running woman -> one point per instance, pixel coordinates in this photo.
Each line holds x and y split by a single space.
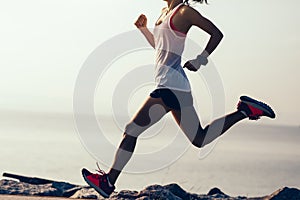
173 91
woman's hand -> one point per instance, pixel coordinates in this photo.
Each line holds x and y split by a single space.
195 64
141 22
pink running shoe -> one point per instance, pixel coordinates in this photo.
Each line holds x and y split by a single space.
98 181
254 109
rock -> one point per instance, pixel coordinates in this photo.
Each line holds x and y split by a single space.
285 194
126 194
166 192
158 192
14 187
58 189
26 179
215 191
85 193
178 191
65 189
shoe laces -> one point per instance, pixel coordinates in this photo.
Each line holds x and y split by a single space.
99 170
101 176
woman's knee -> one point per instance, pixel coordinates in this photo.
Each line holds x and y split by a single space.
198 141
198 144
133 129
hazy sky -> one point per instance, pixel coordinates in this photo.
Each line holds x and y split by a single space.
45 42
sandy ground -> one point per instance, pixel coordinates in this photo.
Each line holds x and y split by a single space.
18 197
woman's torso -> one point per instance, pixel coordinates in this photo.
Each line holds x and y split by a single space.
169 45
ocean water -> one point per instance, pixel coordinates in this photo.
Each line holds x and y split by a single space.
252 159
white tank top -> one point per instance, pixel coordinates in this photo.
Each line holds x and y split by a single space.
169 46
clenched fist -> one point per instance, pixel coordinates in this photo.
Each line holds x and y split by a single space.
141 22
195 64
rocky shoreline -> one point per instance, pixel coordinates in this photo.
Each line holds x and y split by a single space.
171 191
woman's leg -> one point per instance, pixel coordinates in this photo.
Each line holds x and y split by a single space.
150 113
189 122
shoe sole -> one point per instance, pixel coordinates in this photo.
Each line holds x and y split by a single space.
259 105
93 185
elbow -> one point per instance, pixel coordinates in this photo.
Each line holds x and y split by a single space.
222 35
219 35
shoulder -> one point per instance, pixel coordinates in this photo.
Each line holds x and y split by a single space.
189 13
188 10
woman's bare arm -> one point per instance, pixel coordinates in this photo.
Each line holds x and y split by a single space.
194 18
141 24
